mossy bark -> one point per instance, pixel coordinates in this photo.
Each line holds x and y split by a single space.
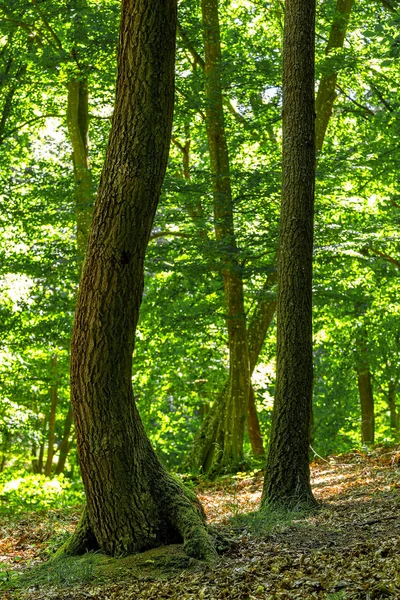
326 94
78 128
207 441
233 411
253 427
132 502
287 481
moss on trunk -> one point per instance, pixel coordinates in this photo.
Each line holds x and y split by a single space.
132 502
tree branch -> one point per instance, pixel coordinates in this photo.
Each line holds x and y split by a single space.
47 25
385 257
200 61
364 108
34 120
160 234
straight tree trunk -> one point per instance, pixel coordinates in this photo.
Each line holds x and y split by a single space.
364 380
52 418
232 422
367 404
326 94
287 480
132 502
65 444
204 443
78 127
201 453
391 397
253 427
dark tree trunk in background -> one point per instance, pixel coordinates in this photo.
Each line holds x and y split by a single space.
287 481
363 371
132 502
367 405
365 392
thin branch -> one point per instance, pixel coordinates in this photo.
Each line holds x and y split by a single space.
394 203
389 6
47 25
385 257
160 234
100 117
189 46
34 120
364 108
381 97
27 27
200 61
177 144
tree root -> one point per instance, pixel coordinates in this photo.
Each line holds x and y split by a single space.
82 540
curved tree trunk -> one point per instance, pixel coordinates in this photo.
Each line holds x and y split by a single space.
287 481
132 502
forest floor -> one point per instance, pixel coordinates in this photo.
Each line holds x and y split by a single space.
347 549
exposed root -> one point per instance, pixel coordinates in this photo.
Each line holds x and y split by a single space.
187 515
82 540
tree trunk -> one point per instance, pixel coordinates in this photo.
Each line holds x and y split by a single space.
287 481
233 418
7 105
132 502
367 406
52 418
200 455
65 445
4 450
364 383
391 398
253 427
78 126
326 94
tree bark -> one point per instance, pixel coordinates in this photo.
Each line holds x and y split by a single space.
365 392
52 417
253 427
326 94
367 405
391 397
287 481
132 502
78 127
200 455
233 418
65 444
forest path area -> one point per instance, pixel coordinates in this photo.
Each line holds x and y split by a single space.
348 549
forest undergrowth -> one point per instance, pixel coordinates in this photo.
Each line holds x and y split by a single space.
348 549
